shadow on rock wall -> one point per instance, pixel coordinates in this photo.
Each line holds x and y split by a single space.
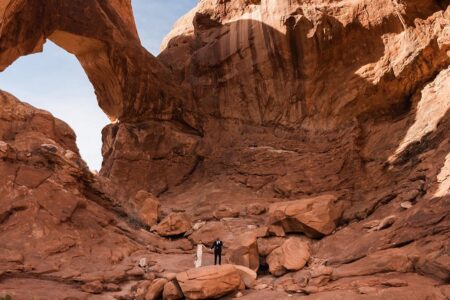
247 74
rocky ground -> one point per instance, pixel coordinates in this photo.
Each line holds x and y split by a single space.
310 136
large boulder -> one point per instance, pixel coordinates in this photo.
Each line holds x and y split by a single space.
173 224
291 256
209 282
147 208
267 245
210 231
156 289
315 217
246 255
384 261
248 276
172 291
244 251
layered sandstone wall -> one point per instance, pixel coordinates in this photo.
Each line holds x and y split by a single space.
313 64
289 66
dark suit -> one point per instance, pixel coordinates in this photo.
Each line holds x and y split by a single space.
217 246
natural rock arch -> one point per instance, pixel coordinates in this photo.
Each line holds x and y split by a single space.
129 82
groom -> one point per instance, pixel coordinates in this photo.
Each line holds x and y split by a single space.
217 246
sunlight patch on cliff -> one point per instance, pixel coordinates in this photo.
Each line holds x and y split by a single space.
432 107
3 6
443 179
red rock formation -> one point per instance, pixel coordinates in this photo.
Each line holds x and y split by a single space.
249 102
209 282
290 63
128 81
130 84
58 228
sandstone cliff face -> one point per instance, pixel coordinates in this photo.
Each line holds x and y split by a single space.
290 66
314 64
249 103
59 227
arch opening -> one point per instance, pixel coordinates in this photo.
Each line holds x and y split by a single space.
55 81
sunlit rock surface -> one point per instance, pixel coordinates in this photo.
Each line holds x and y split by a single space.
250 102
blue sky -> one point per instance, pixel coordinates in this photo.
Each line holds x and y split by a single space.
54 80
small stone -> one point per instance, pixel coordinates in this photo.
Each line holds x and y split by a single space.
386 223
143 262
49 148
371 224
256 209
406 205
198 225
94 287
70 155
3 147
261 286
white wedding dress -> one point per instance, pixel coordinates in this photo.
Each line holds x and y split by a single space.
198 258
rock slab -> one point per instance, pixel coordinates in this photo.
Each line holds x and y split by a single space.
292 255
209 282
316 217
